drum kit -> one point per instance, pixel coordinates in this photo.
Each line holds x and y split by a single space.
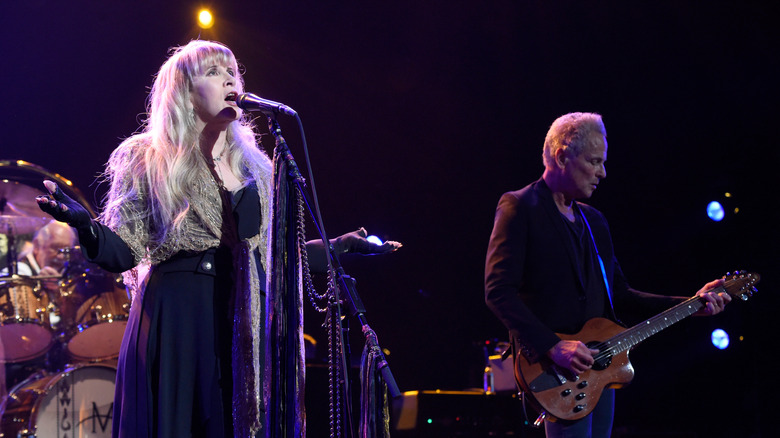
62 331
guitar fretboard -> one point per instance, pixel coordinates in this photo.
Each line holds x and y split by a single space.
638 333
737 286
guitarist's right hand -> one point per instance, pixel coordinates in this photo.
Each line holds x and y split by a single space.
574 356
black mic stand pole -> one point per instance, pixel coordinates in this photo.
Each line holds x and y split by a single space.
356 307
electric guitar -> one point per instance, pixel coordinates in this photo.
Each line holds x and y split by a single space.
558 393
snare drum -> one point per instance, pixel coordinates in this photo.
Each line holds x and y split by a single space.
77 403
24 321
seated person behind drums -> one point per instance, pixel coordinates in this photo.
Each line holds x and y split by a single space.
47 257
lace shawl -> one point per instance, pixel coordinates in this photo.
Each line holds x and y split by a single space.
130 217
129 212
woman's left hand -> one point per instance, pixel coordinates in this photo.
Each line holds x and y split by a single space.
356 243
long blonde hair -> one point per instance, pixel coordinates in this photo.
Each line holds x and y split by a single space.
159 163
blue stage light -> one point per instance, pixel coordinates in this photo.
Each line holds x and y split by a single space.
715 211
375 240
720 339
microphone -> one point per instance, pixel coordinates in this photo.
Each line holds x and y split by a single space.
253 102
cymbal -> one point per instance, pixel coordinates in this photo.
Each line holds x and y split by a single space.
19 212
33 175
21 224
7 281
44 277
15 280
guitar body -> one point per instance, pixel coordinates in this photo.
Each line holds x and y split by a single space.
564 396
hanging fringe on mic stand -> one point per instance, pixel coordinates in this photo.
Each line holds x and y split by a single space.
285 366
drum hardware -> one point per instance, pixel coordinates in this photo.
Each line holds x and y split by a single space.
97 312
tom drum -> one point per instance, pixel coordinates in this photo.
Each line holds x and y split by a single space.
25 332
96 314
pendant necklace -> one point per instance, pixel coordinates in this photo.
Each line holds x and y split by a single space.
218 158
217 171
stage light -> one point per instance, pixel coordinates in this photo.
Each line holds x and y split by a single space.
724 207
205 19
715 211
720 339
375 240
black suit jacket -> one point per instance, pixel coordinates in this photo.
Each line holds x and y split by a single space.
532 283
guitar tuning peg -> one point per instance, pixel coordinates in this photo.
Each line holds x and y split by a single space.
744 296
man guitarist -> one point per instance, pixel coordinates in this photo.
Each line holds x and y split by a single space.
551 266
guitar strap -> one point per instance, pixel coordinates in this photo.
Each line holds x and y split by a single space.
601 262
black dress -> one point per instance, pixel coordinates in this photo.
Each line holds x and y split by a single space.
174 377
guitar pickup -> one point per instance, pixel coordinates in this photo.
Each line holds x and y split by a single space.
551 378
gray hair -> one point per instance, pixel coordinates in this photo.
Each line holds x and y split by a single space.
570 131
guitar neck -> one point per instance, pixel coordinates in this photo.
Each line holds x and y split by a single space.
638 333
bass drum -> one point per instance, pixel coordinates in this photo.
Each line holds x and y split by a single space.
76 403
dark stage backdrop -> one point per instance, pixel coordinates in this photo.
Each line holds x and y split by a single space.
418 115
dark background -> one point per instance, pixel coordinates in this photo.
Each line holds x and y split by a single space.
418 115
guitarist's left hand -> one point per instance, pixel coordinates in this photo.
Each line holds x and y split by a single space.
715 302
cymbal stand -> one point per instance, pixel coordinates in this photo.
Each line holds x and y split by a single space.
10 235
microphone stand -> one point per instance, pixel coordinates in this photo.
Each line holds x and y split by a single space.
347 283
357 310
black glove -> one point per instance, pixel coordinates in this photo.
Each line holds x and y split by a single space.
356 242
64 209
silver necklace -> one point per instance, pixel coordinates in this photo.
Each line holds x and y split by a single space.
217 172
218 158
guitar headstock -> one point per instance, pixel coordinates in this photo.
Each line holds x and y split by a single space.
741 284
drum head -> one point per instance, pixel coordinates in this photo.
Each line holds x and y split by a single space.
23 341
77 402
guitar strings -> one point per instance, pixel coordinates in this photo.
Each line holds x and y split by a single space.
606 349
